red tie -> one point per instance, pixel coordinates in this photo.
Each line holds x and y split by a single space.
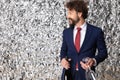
77 43
77 40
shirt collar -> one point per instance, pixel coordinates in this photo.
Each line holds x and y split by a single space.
83 27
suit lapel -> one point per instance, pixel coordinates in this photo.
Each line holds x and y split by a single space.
72 40
87 37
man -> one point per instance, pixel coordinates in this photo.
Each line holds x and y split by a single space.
81 40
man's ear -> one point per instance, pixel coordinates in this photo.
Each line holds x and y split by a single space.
79 14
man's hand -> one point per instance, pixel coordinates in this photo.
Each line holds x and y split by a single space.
65 64
88 64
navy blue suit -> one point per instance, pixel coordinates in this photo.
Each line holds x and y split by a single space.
94 40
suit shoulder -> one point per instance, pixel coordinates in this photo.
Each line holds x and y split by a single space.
66 30
95 28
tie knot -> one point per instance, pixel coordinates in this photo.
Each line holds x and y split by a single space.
78 29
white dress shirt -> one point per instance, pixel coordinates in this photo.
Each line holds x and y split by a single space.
82 32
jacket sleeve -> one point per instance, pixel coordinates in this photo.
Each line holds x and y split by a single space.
63 52
101 46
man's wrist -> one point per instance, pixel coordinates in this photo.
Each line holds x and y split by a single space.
95 62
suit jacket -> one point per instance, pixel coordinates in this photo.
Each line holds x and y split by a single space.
94 40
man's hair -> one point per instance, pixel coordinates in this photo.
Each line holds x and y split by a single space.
78 6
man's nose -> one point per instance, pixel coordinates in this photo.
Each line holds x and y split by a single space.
67 17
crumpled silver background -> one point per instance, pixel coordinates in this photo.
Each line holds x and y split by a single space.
31 37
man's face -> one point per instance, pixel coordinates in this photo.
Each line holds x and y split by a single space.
72 16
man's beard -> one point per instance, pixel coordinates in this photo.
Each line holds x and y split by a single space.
73 22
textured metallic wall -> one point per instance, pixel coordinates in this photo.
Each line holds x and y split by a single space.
31 37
